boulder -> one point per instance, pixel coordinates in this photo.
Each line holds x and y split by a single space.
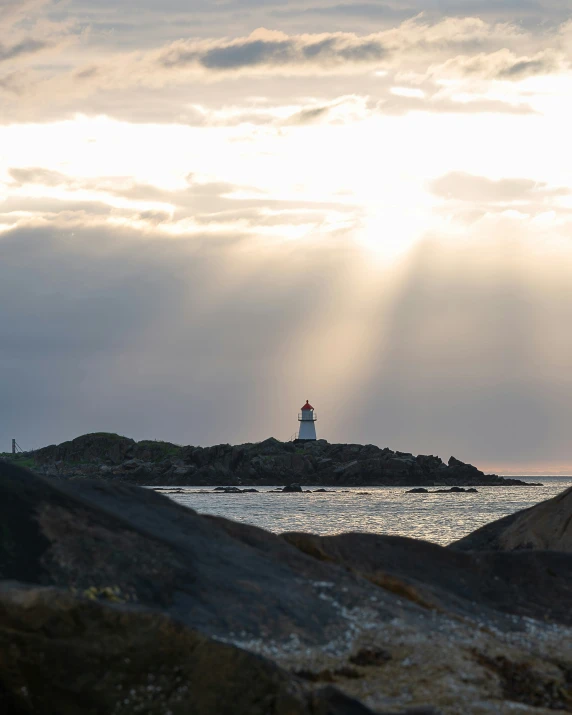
454 490
234 490
292 488
536 584
71 655
547 525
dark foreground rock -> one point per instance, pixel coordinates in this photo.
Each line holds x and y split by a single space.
547 525
62 654
112 457
115 599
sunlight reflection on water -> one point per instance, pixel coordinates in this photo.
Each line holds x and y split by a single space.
441 518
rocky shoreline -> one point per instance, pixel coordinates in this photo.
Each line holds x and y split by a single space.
115 458
115 600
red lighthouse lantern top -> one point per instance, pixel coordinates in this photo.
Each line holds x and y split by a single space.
307 406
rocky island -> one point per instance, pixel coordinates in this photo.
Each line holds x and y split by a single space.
115 600
271 462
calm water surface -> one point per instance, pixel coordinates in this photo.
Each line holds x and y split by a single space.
441 518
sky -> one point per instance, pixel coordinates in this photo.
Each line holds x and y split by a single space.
211 212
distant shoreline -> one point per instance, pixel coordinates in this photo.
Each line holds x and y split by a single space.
112 457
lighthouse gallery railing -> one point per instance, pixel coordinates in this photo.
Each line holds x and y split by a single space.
302 418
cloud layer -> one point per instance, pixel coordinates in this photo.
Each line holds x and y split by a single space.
211 211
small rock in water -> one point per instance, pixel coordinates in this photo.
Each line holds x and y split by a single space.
292 488
453 490
234 490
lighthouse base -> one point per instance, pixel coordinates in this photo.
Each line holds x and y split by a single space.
307 430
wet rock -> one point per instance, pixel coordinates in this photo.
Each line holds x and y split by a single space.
234 490
455 490
292 488
452 490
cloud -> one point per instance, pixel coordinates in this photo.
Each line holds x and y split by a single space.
220 207
525 67
355 9
38 175
502 64
144 85
28 46
271 52
270 49
461 186
11 11
488 205
307 116
398 105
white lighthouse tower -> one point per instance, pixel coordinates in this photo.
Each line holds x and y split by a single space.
307 420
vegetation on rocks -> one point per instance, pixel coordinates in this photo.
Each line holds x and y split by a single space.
110 456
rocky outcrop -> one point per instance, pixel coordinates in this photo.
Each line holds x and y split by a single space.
271 462
451 490
547 525
538 585
115 599
122 660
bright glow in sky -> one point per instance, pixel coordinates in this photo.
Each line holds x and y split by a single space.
241 188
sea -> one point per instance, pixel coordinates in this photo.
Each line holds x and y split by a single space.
440 518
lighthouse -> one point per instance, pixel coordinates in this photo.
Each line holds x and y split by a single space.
307 420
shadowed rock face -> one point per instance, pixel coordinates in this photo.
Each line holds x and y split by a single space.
536 584
73 656
547 525
270 462
114 593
